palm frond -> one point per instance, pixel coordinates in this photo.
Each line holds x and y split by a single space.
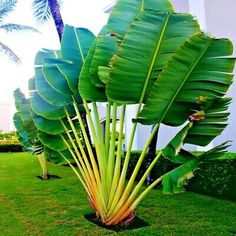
10 27
6 7
140 59
41 10
200 68
11 55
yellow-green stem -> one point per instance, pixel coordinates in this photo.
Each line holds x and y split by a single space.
87 143
135 203
127 157
103 195
99 129
43 163
113 218
92 186
111 157
78 161
116 207
107 129
94 174
118 158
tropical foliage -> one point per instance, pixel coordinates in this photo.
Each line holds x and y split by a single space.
146 55
44 10
26 130
6 7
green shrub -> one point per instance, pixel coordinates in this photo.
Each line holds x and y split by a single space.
11 147
215 178
161 167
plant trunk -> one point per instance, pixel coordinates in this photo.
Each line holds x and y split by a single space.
56 14
43 163
151 154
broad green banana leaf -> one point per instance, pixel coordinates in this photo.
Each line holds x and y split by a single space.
23 136
75 45
42 108
56 157
52 127
51 116
173 151
66 68
174 181
87 90
200 67
214 122
23 120
51 69
106 47
111 35
54 142
45 90
140 59
205 125
124 12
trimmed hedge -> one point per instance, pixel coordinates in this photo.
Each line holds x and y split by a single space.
215 178
161 167
11 148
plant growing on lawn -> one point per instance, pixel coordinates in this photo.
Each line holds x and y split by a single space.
27 132
145 55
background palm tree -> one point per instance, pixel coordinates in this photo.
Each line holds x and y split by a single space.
44 10
6 7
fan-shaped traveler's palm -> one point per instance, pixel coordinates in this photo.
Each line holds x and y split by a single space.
145 55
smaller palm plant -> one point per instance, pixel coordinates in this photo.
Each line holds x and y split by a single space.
27 132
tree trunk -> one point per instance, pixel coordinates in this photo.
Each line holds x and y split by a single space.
56 14
151 154
43 163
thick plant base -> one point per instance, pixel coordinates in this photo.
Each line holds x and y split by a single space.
49 177
135 224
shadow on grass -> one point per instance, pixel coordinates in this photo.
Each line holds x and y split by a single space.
136 224
50 177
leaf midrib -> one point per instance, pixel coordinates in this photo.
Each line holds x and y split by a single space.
79 45
184 81
154 58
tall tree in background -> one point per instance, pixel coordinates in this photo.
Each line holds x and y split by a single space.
6 7
44 10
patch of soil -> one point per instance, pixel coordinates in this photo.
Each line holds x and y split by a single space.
50 177
136 224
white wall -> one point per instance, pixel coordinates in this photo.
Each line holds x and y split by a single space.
221 23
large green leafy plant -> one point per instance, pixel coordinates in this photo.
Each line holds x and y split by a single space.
27 132
145 55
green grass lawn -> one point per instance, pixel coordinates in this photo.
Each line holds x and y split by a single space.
30 206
